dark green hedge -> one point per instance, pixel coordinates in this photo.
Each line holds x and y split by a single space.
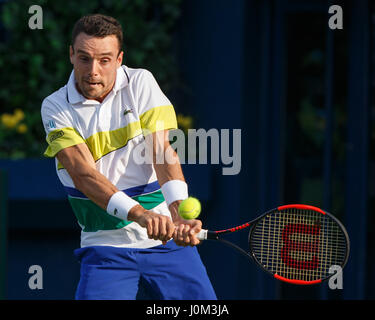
34 63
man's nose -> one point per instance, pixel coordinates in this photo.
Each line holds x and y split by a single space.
94 68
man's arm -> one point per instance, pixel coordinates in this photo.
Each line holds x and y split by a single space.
168 167
79 163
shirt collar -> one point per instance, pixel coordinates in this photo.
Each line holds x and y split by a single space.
74 97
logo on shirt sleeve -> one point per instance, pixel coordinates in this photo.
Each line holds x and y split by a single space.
55 136
51 125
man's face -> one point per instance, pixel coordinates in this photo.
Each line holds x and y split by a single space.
95 62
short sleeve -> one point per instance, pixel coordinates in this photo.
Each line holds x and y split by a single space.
59 128
155 111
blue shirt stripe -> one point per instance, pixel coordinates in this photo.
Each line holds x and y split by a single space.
131 192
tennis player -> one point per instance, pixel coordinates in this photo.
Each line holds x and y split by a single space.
127 210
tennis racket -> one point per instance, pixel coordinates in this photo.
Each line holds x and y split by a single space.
295 243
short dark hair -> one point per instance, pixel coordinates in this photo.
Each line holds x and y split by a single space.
98 25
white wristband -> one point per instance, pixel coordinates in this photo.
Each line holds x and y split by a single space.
120 204
174 190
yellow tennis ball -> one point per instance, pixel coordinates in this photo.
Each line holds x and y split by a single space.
189 208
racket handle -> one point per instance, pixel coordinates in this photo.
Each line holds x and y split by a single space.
202 235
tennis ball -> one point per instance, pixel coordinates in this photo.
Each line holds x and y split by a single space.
189 208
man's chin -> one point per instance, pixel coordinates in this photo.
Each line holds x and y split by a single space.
92 94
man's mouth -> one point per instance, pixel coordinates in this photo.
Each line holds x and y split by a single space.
93 83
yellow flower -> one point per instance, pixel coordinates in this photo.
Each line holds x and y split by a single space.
19 114
22 128
185 122
9 120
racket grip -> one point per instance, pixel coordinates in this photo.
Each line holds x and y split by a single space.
202 235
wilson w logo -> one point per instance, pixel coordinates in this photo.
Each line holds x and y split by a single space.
301 253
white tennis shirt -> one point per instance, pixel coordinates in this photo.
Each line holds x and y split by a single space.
114 132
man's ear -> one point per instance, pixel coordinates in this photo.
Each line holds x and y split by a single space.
71 53
119 59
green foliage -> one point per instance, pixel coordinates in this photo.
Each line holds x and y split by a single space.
35 63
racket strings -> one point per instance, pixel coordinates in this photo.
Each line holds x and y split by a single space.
298 244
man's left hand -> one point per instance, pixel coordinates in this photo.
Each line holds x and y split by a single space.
186 230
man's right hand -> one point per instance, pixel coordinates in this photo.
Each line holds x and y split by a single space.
159 227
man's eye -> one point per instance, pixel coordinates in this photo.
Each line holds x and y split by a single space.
84 59
105 60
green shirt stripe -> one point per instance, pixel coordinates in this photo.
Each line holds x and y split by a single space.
93 218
